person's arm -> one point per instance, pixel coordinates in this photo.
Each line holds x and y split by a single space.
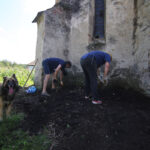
107 65
98 72
99 75
56 71
106 69
61 78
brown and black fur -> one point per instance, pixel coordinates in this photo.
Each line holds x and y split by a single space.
8 89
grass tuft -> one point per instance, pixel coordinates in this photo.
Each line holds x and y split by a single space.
12 137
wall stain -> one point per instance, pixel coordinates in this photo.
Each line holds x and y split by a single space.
66 52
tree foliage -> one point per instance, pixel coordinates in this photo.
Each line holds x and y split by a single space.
20 70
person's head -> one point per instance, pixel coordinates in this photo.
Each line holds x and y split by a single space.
68 64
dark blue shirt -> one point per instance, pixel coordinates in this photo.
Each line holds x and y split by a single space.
54 62
99 56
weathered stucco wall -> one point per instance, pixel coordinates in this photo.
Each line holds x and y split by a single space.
127 36
68 34
142 44
79 34
119 31
39 49
120 17
57 29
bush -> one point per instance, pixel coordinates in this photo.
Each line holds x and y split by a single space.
7 69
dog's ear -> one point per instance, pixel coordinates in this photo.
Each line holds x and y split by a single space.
4 79
14 76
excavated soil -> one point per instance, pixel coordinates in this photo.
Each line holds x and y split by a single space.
122 122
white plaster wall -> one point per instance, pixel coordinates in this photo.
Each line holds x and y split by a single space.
119 31
142 47
79 38
56 37
39 50
127 38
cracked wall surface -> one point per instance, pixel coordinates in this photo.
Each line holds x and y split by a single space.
127 35
142 45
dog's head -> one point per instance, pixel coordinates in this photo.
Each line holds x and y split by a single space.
9 87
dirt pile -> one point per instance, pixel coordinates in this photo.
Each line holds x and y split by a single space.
121 122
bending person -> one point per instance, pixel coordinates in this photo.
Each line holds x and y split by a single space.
53 66
90 63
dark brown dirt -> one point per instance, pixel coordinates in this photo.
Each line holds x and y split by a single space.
122 122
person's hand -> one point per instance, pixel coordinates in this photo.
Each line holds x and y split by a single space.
61 83
100 78
105 81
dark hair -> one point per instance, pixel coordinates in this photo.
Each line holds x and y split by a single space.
68 63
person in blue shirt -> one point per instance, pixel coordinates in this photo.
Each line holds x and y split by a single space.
53 66
90 64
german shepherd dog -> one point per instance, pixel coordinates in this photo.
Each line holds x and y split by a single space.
7 92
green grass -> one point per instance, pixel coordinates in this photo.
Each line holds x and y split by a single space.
14 138
7 69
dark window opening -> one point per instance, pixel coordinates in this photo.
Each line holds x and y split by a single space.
99 27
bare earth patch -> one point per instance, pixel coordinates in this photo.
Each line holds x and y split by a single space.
122 122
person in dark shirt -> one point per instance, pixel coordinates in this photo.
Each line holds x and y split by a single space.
53 66
90 64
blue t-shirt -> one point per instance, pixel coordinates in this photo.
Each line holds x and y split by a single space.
54 62
101 57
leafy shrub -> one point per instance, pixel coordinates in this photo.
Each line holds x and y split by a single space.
7 69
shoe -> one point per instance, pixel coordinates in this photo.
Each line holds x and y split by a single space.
96 102
45 94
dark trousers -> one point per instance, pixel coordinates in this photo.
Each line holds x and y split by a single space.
89 67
